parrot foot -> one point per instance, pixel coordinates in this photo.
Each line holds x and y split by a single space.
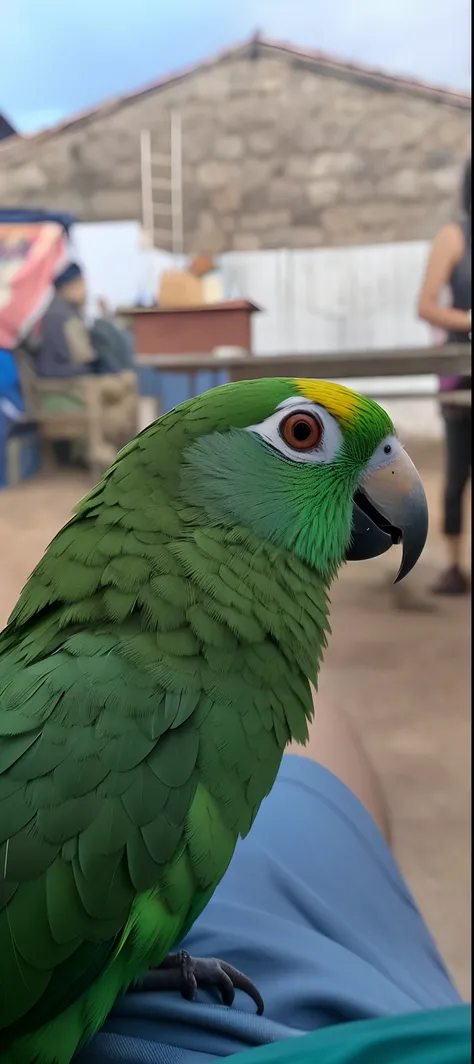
180 971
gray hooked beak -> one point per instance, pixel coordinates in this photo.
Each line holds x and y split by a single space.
390 507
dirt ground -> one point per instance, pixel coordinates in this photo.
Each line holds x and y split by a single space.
399 665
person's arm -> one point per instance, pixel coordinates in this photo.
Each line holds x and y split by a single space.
104 308
77 339
447 250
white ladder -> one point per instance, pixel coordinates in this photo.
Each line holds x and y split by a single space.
162 173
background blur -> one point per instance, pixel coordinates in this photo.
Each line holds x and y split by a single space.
304 169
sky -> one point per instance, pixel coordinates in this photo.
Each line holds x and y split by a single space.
62 57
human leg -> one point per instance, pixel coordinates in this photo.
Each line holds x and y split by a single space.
458 467
335 744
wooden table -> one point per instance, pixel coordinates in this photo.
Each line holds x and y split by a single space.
158 331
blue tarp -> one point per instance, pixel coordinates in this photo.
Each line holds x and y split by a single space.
10 388
24 216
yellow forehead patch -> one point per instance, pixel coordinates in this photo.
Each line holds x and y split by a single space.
336 399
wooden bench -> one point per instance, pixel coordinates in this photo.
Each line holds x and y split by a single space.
106 416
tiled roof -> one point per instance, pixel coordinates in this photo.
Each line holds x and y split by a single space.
258 45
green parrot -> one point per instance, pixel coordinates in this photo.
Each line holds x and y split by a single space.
153 671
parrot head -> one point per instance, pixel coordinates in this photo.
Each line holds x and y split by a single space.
309 465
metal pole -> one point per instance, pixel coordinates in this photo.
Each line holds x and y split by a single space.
148 219
177 183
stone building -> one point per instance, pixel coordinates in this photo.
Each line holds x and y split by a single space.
280 148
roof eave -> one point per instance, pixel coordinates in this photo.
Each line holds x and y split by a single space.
253 47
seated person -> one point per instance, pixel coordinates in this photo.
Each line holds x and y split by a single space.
65 349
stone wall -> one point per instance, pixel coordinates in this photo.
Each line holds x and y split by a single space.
277 152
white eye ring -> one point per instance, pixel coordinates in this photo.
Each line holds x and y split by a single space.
323 449
386 453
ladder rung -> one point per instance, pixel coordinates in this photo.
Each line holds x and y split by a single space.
158 159
162 183
166 234
163 209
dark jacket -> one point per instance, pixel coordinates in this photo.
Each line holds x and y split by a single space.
65 349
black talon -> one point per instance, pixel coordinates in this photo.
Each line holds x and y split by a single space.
239 981
180 971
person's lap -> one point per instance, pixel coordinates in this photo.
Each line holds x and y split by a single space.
314 910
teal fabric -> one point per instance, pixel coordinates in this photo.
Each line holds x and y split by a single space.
442 1037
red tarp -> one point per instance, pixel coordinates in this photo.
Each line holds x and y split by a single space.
32 254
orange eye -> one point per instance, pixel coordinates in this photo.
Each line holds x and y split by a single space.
302 431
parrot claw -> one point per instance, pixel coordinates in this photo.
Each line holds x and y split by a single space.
180 971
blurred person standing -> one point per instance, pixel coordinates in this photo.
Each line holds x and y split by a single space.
449 265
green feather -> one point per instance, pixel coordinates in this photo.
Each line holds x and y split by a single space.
151 674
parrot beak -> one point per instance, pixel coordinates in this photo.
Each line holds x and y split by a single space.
390 507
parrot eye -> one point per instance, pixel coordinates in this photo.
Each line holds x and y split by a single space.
302 431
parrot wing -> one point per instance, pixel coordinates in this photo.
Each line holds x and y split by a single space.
98 773
144 709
